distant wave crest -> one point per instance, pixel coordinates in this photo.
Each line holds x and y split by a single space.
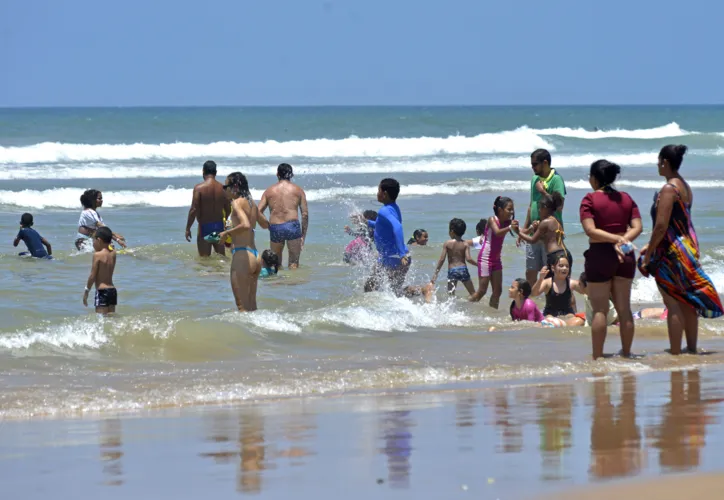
516 141
67 198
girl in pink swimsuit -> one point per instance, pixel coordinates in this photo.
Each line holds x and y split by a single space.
490 265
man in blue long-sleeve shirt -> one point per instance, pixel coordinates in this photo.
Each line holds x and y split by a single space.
393 260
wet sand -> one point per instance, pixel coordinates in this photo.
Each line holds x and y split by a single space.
580 437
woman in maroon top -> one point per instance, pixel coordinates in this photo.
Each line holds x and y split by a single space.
611 220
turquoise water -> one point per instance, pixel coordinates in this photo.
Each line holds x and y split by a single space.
177 339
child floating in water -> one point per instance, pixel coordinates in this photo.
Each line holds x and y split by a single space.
419 238
549 229
457 252
101 275
560 309
270 264
652 313
359 249
490 264
523 308
32 239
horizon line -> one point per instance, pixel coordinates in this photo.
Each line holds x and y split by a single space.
267 106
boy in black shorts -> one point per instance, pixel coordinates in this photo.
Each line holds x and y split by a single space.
104 263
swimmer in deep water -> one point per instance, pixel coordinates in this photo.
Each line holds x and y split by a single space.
208 206
419 238
245 262
32 239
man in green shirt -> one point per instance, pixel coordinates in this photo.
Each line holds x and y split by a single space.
545 181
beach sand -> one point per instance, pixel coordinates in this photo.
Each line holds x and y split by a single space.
583 437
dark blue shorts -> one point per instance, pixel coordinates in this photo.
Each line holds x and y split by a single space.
212 227
459 273
288 231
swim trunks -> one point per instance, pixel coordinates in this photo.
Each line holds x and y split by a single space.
28 254
459 273
288 231
106 297
212 227
602 264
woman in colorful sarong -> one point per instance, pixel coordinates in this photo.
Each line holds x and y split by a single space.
672 256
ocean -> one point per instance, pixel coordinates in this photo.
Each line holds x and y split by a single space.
177 339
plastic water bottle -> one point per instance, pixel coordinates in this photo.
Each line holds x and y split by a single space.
627 248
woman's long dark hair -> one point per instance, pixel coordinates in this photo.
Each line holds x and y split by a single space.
238 180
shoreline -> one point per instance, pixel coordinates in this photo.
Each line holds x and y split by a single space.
555 437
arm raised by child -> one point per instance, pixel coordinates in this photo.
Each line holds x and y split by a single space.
543 284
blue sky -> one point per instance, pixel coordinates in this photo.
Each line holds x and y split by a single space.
343 52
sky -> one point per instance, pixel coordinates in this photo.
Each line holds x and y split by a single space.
364 52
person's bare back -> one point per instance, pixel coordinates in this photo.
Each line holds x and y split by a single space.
457 253
457 250
209 206
285 201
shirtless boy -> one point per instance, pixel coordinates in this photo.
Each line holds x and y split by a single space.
285 200
208 206
101 275
457 253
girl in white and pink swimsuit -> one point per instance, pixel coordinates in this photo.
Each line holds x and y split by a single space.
490 265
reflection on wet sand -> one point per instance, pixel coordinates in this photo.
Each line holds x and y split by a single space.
396 429
506 421
681 435
465 405
252 451
298 431
615 436
111 452
555 405
607 408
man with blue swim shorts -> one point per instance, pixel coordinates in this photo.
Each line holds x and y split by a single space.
285 201
208 207
393 261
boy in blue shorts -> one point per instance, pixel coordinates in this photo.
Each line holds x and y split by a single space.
32 239
457 253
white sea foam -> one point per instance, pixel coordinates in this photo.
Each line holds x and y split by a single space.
68 198
515 141
380 312
670 130
122 171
